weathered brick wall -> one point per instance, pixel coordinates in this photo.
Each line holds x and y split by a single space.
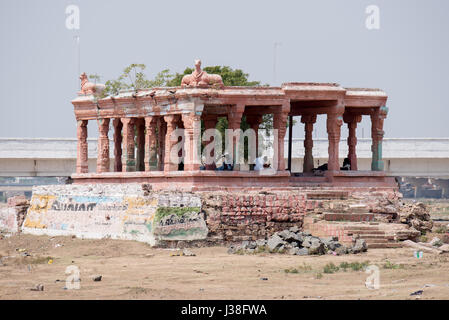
236 216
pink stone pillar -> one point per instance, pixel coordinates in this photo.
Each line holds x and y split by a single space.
128 161
210 123
103 146
333 125
234 121
192 125
280 124
171 126
140 139
254 123
352 120
308 121
117 145
162 130
82 165
150 144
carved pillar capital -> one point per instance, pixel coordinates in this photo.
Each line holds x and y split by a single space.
308 118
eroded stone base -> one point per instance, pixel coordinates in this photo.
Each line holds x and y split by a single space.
135 211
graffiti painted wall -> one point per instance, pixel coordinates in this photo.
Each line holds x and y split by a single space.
119 211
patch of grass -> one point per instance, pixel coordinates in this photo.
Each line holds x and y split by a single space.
300 269
319 275
355 266
305 267
136 290
261 249
162 212
423 238
390 265
291 270
330 268
28 260
438 243
441 229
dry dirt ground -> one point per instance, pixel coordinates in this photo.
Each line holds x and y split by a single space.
133 270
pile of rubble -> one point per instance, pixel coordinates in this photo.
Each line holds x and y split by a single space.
295 242
417 216
434 246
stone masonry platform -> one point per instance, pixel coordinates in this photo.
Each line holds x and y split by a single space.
136 211
216 180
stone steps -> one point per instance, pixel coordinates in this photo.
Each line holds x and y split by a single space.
355 217
380 245
328 195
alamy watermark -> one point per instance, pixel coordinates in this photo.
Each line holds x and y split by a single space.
72 20
372 21
373 280
73 281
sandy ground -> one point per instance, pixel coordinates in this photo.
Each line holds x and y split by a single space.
133 270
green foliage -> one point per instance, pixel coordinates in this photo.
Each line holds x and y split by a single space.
305 268
330 268
94 77
423 238
391 265
291 270
355 266
438 243
133 78
162 212
230 76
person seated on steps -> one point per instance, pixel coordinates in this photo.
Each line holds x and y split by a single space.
226 166
346 164
323 167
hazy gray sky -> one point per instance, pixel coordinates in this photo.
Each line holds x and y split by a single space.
321 41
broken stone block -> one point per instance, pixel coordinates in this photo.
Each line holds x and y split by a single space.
359 246
302 252
275 242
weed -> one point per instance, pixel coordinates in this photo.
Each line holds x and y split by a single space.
261 249
391 265
301 269
291 270
423 238
438 243
330 268
136 290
